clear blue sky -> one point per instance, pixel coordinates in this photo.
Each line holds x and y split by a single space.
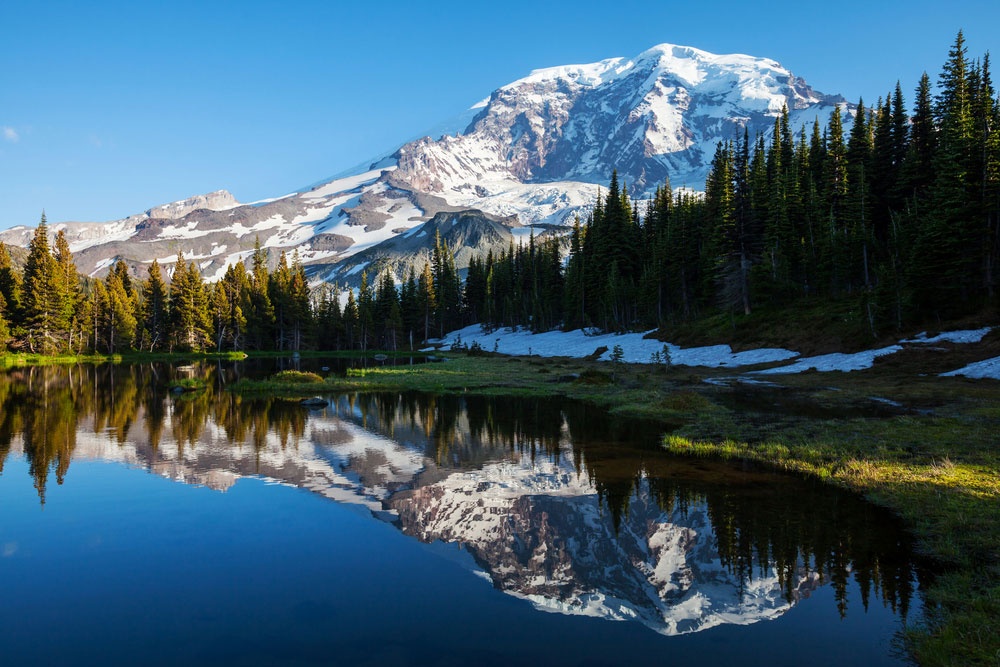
109 108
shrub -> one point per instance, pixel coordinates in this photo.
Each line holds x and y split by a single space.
296 377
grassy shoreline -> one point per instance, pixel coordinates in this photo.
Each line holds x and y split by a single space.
930 455
23 359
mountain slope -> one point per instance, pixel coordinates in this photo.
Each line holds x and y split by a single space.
658 115
534 154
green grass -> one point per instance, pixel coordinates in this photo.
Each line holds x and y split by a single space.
337 354
188 384
941 474
296 377
23 359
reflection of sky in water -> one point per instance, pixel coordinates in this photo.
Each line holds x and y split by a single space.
548 513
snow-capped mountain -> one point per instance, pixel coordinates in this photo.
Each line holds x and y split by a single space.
534 154
658 115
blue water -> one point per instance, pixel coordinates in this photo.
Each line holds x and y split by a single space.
125 567
124 564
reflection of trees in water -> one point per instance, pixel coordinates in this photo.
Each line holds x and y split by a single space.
37 404
47 405
761 520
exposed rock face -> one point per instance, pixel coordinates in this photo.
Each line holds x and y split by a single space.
467 233
656 116
220 200
535 153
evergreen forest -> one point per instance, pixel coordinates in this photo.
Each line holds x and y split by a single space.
899 216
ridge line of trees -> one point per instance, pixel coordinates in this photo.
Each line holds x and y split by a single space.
901 214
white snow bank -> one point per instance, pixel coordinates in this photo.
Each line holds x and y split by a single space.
988 368
639 350
635 348
834 362
967 336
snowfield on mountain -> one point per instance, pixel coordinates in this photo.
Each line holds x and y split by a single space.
532 155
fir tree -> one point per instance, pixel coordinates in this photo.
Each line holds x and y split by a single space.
10 286
69 295
115 313
189 308
259 311
154 329
42 304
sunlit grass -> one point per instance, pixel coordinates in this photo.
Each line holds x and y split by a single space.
24 359
952 507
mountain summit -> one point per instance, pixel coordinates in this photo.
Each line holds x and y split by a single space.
656 116
533 155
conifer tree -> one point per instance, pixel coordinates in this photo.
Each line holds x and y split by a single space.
986 176
351 322
154 326
260 311
410 307
918 168
4 325
301 306
41 294
576 295
835 202
10 287
388 318
945 259
116 312
236 285
190 315
69 294
853 260
427 300
366 313
727 274
447 287
328 320
221 307
279 293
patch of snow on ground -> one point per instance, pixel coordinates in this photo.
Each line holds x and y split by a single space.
636 349
980 370
837 361
967 336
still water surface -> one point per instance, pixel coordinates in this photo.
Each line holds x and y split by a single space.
137 526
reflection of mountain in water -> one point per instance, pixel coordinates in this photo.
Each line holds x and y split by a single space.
542 533
561 506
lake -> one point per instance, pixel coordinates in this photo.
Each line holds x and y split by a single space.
137 526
